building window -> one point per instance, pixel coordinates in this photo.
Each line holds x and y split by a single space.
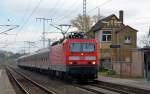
127 40
106 36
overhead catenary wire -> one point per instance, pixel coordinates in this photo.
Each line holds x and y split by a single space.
26 10
99 6
31 14
29 17
71 12
70 8
25 15
50 11
15 26
58 8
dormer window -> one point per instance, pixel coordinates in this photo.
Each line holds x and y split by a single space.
106 36
127 40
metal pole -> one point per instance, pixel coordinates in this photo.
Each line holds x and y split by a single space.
84 15
49 42
44 32
43 19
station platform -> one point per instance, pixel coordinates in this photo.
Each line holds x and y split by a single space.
5 85
139 83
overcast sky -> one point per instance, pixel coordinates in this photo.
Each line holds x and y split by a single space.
24 13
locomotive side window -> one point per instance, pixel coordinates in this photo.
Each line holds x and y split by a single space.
82 47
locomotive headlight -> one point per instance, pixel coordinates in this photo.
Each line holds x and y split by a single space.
70 62
93 62
82 54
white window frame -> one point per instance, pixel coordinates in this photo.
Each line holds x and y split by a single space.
106 36
127 39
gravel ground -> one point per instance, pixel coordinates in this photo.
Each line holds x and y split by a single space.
60 87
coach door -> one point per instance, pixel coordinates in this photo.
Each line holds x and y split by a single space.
147 65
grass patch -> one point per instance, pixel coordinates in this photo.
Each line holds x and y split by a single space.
107 73
103 72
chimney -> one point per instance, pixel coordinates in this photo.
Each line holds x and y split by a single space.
121 15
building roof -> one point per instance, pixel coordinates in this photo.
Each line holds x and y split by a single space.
100 24
125 27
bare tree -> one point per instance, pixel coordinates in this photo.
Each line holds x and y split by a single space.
95 19
84 23
146 39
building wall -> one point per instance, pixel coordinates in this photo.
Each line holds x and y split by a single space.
126 48
123 69
138 63
134 69
127 66
124 53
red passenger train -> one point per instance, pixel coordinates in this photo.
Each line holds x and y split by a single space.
73 57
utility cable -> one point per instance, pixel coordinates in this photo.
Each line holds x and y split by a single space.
34 10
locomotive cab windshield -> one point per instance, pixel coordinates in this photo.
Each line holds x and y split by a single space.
82 47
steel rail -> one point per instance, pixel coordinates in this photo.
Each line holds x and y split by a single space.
111 89
17 82
121 88
33 82
88 89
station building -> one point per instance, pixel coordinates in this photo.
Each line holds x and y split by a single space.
116 43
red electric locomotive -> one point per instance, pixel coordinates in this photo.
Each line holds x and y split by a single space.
75 57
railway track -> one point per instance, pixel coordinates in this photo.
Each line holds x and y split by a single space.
92 89
26 85
95 89
122 89
100 87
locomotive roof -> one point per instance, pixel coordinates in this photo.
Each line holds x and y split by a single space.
81 40
44 50
71 35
